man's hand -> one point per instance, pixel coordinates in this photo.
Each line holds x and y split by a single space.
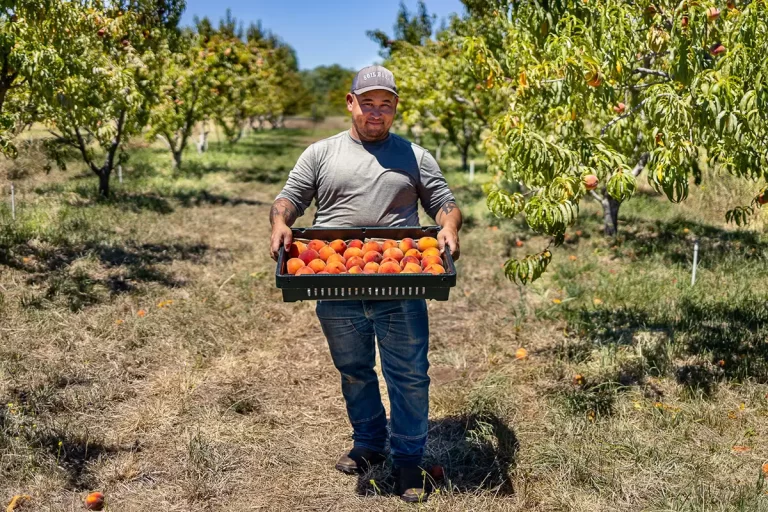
281 236
449 218
449 236
282 216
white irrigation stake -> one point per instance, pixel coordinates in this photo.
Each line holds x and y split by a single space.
13 202
471 171
695 261
120 173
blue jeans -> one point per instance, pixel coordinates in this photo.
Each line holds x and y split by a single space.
402 329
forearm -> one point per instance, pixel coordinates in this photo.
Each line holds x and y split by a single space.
283 212
449 216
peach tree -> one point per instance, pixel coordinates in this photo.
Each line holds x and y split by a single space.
599 91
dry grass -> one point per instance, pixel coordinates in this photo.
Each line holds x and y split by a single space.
145 352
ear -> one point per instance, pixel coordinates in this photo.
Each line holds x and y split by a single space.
350 101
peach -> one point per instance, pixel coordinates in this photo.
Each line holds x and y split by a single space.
429 260
304 270
387 244
356 270
317 265
326 252
308 255
393 252
323 272
413 252
371 246
355 261
591 181
371 268
339 246
316 245
353 251
426 242
337 257
432 251
94 501
435 269
409 259
296 249
355 243
388 260
390 267
336 267
406 244
372 256
412 268
293 265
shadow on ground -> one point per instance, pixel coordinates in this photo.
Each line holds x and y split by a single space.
122 267
700 340
476 453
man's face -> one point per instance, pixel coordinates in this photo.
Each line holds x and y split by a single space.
373 113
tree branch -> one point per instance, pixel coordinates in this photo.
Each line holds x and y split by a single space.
465 101
654 72
640 165
84 152
596 196
623 116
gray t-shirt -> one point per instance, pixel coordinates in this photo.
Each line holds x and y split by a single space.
366 184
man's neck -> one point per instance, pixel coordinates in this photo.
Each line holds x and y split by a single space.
355 135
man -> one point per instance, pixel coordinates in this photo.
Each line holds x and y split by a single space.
369 177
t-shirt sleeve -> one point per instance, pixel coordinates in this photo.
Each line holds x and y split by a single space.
301 188
433 189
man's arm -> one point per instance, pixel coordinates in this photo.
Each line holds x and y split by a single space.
282 216
449 219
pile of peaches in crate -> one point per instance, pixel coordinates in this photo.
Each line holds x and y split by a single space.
406 256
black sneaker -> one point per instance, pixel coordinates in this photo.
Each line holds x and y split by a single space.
411 484
359 460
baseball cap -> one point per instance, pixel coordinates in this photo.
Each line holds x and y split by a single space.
374 77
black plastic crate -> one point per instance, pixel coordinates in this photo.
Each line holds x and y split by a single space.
365 286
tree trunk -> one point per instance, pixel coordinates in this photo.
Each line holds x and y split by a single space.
439 152
176 158
465 157
610 215
202 141
104 173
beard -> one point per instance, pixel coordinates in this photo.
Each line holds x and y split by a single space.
370 132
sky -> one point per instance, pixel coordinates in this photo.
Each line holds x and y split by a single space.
322 32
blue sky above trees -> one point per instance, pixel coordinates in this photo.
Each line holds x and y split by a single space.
322 32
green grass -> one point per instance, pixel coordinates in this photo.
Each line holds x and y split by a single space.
145 351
